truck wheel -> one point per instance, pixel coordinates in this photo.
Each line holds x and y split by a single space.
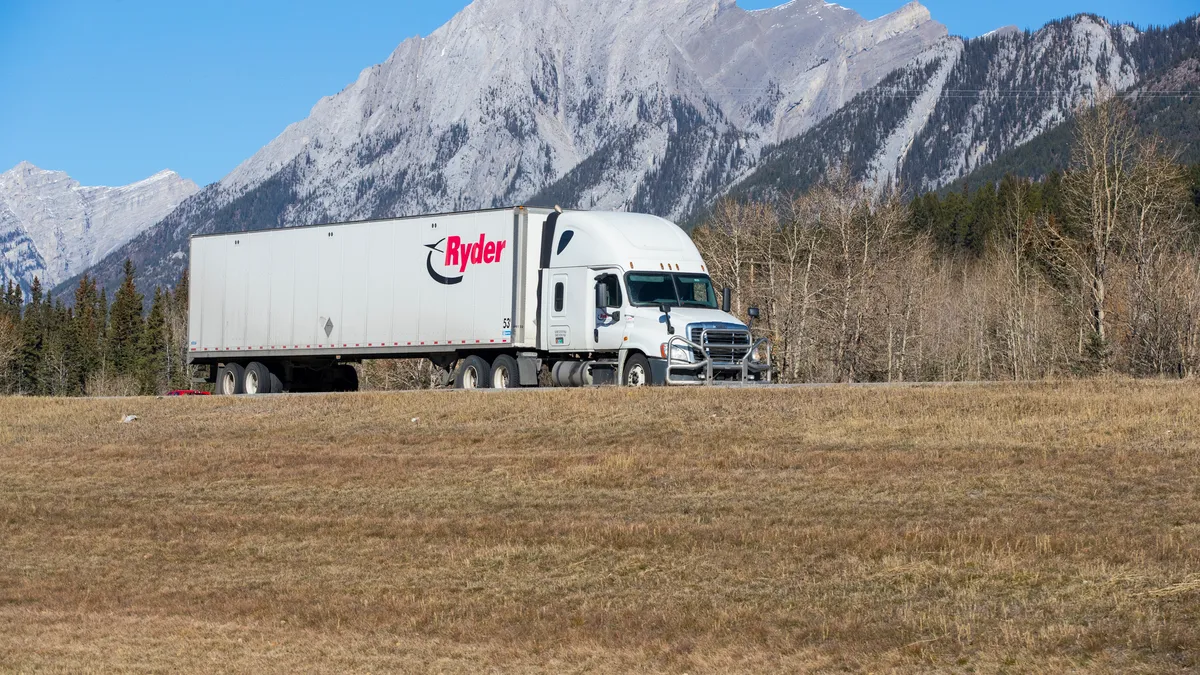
257 379
230 378
505 374
637 371
472 373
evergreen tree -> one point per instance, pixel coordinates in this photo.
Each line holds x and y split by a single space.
124 339
154 346
33 332
84 335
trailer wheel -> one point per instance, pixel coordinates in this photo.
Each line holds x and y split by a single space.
472 373
230 378
257 379
505 374
637 371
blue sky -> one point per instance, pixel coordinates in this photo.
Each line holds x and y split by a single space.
112 91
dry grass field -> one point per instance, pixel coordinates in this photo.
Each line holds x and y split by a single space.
1016 528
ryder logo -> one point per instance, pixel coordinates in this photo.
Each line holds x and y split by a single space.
459 255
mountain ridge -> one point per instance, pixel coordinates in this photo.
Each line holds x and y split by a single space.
52 227
1001 91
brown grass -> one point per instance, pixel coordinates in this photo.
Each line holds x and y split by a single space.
1013 527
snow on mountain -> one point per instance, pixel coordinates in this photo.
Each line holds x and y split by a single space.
653 105
961 103
52 227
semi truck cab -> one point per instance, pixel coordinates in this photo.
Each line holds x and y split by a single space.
635 286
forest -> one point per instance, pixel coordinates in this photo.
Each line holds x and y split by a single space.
1094 270
94 347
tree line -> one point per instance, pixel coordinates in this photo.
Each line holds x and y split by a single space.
1089 271
92 347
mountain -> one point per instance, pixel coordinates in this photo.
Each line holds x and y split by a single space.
963 104
655 105
52 227
1158 107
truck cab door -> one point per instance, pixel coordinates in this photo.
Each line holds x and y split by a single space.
608 305
566 309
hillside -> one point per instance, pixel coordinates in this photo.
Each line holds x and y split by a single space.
51 227
1166 106
965 104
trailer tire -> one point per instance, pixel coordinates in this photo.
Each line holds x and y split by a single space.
505 373
472 373
637 371
230 379
257 379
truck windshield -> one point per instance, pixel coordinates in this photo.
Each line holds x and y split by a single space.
675 290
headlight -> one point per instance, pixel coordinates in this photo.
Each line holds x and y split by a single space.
679 353
759 353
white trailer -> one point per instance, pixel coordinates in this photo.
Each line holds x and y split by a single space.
489 296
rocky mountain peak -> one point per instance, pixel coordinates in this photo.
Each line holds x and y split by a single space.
52 227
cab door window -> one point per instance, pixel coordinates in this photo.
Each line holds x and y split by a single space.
612 284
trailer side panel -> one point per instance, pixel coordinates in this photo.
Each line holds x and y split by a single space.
375 288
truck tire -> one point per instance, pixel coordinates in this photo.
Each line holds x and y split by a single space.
637 371
230 379
257 379
472 373
505 374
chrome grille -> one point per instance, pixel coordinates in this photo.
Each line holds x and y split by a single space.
723 345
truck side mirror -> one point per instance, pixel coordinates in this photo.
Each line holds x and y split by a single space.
666 310
601 296
726 299
753 312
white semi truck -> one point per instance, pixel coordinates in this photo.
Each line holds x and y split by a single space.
488 296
